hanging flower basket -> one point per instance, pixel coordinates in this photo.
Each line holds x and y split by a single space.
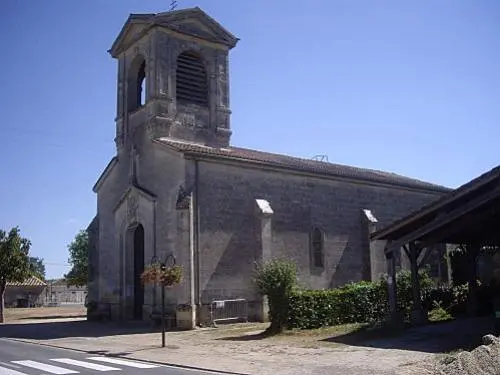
168 276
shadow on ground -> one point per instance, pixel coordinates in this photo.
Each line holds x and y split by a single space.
78 328
247 337
108 353
462 334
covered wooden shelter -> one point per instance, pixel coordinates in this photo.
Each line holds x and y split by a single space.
468 216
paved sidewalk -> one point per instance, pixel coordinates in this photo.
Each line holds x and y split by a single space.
210 349
229 350
243 358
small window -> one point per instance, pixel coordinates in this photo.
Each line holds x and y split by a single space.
317 248
191 80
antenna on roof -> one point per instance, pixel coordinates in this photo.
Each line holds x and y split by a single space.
173 5
321 158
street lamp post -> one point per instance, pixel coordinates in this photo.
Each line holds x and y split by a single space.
169 262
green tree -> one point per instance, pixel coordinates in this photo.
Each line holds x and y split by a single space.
14 261
276 279
78 258
37 267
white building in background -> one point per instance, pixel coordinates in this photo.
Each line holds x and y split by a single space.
29 293
58 293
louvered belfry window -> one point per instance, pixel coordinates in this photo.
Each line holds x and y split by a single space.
191 85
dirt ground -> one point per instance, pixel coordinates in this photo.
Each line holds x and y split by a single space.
64 311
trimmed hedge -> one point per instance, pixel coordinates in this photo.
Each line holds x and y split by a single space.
353 303
362 302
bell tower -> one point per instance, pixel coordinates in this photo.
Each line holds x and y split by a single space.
173 78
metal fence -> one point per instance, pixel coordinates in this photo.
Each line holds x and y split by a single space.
228 310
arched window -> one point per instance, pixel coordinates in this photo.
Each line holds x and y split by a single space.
191 81
317 247
141 85
137 84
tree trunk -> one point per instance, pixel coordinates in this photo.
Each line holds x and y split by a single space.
2 295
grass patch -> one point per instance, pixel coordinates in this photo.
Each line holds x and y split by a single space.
40 313
325 331
345 334
357 334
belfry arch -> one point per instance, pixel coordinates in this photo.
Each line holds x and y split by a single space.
136 93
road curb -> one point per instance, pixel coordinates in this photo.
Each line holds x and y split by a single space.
194 368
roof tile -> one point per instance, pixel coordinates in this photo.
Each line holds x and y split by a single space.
31 281
300 164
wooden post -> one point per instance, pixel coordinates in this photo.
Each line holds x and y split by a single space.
472 256
395 316
391 281
417 314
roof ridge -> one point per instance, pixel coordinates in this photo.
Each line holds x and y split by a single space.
327 162
338 164
301 163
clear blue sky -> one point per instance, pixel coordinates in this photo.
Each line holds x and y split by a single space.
410 86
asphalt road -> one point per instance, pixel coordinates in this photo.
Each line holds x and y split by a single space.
18 358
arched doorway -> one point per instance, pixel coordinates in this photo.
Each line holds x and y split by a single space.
138 270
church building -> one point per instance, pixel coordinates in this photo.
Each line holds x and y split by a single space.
178 189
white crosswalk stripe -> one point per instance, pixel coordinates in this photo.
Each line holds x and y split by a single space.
123 362
9 365
92 366
8 371
47 368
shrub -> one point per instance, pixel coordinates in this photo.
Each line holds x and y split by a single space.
276 279
367 300
353 303
361 302
405 293
451 298
438 313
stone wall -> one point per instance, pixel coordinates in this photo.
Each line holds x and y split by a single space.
107 272
230 228
124 201
93 257
24 296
